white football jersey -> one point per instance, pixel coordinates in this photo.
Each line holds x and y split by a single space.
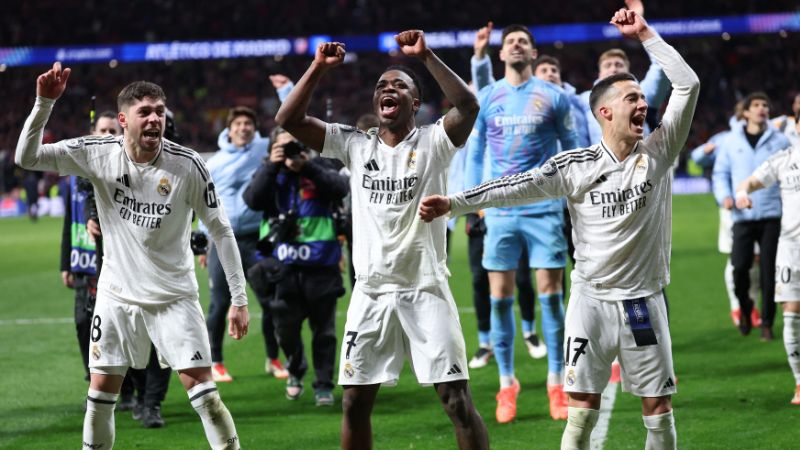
145 211
393 249
784 168
621 211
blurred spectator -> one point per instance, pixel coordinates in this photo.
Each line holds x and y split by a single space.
242 150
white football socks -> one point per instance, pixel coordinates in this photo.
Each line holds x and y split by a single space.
98 422
217 420
580 423
660 432
791 341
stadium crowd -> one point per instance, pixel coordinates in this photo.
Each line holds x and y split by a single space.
201 91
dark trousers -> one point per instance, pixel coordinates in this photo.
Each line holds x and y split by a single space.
85 294
308 293
480 284
745 235
216 322
151 383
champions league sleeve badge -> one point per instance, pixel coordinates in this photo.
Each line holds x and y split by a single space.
164 188
549 169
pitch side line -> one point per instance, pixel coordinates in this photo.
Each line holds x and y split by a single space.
600 432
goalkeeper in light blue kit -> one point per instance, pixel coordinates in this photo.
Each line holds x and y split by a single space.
520 123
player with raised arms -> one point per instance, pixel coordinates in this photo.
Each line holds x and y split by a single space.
146 188
401 304
619 194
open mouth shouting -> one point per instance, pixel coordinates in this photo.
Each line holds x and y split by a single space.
389 107
151 137
637 123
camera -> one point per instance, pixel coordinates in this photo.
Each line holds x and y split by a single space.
85 186
198 241
293 149
282 228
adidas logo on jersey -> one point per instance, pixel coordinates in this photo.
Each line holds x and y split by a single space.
794 354
197 356
124 180
454 370
602 179
372 166
668 384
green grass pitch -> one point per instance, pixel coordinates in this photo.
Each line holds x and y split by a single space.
733 392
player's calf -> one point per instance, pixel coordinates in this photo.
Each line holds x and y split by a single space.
457 402
98 423
661 433
578 432
217 420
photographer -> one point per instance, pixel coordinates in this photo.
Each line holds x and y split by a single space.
80 259
300 273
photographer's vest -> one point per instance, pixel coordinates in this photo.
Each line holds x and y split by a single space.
316 243
82 256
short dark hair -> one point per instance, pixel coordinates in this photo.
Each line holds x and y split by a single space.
238 111
411 74
602 86
546 59
517 27
108 114
137 91
759 95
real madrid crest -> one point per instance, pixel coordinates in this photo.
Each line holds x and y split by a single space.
96 352
412 160
641 164
348 370
164 188
570 377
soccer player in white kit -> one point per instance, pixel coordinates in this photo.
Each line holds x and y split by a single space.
784 168
146 188
619 194
401 304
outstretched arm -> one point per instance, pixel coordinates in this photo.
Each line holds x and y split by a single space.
292 113
547 181
480 63
49 87
459 120
685 84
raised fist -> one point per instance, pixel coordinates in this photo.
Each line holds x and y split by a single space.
412 43
329 54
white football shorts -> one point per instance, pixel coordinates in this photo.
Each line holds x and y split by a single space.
121 333
787 273
598 331
382 329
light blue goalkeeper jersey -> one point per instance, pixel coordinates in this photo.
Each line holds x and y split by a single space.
520 127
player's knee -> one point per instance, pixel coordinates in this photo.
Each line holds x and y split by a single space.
355 404
584 400
652 406
457 404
